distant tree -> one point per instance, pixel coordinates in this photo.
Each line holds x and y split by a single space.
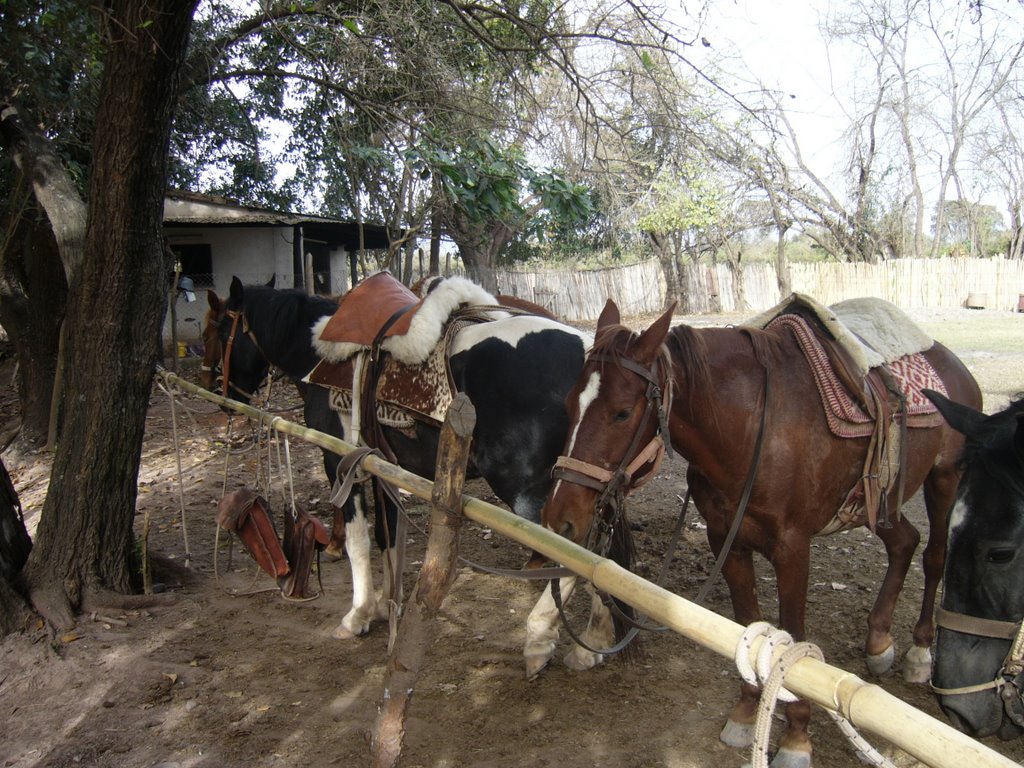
676 215
968 229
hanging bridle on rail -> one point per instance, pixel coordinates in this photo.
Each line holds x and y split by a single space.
1009 681
612 485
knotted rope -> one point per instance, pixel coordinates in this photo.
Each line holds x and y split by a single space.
769 676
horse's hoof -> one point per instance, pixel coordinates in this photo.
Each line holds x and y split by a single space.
917 665
382 612
332 554
881 663
737 734
580 660
535 663
791 758
351 628
343 633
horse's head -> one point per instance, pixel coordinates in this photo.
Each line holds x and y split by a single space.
617 414
243 366
979 652
213 350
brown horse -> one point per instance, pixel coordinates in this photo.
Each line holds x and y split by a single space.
743 409
209 369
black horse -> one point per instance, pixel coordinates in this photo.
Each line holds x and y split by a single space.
979 658
516 370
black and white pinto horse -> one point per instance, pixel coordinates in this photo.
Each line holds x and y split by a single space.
979 651
516 370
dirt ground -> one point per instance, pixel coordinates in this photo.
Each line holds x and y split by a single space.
226 673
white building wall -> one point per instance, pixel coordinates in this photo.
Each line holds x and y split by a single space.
254 255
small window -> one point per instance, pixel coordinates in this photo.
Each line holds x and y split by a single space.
196 262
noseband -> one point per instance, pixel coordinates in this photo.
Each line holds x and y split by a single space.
1009 681
612 485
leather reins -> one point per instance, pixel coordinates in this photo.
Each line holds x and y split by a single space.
612 486
1009 681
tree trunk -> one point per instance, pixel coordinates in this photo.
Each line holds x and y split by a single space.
668 268
782 275
33 283
84 544
34 295
15 546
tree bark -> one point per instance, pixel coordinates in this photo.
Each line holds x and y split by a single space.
84 544
36 266
15 546
33 296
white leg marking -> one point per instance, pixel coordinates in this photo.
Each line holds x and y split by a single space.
542 628
357 545
881 663
599 634
917 665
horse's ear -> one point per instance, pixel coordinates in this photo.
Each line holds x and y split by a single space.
962 418
272 282
236 293
650 341
609 315
214 300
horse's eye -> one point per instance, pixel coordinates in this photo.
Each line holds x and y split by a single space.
1000 555
623 415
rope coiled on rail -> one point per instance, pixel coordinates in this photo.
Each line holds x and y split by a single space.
769 675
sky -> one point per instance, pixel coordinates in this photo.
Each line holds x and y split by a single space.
780 43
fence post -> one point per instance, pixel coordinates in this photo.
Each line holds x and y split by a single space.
437 574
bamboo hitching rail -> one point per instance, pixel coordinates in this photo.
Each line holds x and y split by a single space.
866 705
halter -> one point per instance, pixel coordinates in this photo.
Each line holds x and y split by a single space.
1009 681
612 486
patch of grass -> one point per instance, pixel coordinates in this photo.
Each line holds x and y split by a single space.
978 330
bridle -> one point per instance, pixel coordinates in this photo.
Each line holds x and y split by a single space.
613 485
1009 681
236 316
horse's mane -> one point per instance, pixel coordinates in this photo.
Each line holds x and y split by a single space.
993 450
278 316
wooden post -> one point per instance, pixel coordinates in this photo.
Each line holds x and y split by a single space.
416 631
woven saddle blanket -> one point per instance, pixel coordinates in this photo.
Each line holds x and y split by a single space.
845 416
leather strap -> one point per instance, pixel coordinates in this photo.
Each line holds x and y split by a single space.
742 506
972 625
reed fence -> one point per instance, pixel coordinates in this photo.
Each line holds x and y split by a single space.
579 295
863 704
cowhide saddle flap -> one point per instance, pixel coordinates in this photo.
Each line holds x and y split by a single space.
869 387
